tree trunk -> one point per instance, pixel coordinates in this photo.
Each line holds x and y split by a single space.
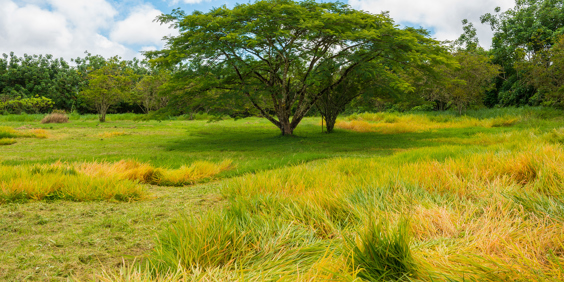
102 116
330 123
286 127
102 113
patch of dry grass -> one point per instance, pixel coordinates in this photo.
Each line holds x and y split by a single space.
60 181
490 216
9 132
55 117
394 123
111 134
145 173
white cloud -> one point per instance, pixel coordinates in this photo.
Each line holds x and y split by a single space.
139 28
444 16
67 28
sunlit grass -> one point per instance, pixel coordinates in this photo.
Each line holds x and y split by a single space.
62 182
111 134
7 141
391 123
8 132
486 215
145 173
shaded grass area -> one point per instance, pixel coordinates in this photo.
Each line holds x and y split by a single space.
59 240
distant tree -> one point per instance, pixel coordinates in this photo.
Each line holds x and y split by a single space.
37 75
466 84
545 71
148 91
108 85
274 54
530 27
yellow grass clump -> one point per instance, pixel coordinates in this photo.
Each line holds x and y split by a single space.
394 123
111 134
145 173
8 134
7 141
60 181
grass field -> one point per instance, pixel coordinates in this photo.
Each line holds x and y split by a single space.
420 197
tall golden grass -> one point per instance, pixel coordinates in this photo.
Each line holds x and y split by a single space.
119 181
145 173
62 182
494 214
9 132
387 123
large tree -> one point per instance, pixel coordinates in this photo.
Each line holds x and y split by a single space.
276 54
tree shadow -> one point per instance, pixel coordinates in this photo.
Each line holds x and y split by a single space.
259 147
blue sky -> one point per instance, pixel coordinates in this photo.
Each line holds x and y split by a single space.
67 28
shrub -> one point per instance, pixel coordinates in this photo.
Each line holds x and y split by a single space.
56 117
34 105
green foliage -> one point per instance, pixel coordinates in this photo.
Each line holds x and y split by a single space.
148 91
276 56
464 85
108 85
34 105
38 75
532 26
545 72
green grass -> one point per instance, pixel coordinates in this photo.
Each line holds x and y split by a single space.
311 207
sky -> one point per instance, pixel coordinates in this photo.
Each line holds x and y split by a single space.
68 28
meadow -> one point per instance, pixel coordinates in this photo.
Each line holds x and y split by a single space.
386 197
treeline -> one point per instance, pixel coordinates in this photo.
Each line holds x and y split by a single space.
93 84
525 66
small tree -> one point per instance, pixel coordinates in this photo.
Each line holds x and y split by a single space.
464 85
107 86
147 92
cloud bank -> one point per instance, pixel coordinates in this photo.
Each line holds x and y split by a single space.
444 17
67 28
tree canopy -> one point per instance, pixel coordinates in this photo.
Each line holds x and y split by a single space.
275 54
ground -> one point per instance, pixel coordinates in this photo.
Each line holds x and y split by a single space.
57 240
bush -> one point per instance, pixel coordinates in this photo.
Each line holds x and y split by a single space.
56 117
34 105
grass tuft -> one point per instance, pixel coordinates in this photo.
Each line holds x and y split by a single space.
382 253
56 117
